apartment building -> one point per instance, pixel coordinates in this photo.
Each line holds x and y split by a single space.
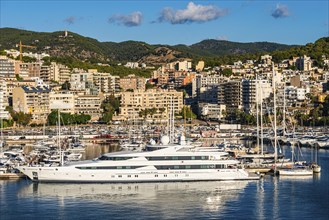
62 100
200 82
88 105
59 73
7 68
230 95
132 82
3 99
253 92
32 100
81 80
161 101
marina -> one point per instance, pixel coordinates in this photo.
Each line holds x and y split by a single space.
281 197
39 150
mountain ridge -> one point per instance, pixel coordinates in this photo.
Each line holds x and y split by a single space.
86 48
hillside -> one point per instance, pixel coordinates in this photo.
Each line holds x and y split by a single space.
84 48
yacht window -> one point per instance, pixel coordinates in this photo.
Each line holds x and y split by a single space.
119 175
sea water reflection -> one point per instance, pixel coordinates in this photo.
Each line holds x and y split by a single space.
183 198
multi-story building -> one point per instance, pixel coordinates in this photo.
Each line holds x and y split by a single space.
304 63
3 99
230 95
132 82
253 93
81 80
7 68
45 73
32 100
183 65
102 82
64 101
88 105
201 81
199 66
159 102
59 73
266 59
210 111
28 70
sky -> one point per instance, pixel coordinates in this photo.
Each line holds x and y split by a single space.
175 21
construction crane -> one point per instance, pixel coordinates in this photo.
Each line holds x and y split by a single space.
21 49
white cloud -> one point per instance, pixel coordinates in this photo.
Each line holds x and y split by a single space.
281 11
134 19
192 13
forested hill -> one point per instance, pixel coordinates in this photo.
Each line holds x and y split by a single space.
88 49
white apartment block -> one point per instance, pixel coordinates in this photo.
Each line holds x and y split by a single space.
210 111
64 101
59 73
253 92
81 80
3 99
201 81
183 66
7 68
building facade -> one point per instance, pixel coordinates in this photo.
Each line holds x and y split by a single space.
32 100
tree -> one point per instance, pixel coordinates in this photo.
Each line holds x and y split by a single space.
187 113
66 85
149 86
227 72
110 105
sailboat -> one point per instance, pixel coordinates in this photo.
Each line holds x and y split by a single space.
297 169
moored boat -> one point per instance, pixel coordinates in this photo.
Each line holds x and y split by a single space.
178 162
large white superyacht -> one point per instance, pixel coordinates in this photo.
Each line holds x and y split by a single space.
178 162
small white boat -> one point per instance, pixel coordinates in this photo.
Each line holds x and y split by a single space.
296 171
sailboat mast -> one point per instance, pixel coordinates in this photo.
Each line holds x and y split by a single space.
1 134
261 120
257 111
284 109
59 139
274 109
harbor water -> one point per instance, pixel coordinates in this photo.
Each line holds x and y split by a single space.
269 198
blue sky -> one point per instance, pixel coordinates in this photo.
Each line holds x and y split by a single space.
174 22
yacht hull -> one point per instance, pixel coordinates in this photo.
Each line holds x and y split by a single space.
70 174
